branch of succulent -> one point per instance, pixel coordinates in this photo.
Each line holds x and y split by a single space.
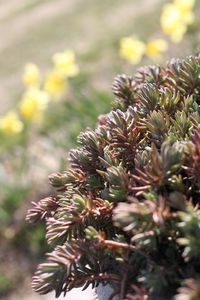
127 211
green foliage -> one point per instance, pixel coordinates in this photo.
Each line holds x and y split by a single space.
127 210
5 284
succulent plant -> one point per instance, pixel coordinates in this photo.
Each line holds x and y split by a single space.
127 211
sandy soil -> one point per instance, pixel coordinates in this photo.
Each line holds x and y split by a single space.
76 294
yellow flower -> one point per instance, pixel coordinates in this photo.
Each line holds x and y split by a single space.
31 76
155 48
185 5
65 63
33 103
10 123
132 49
172 23
55 84
176 17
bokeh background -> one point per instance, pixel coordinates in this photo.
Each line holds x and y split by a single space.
33 31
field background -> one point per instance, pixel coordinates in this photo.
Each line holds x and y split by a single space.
33 30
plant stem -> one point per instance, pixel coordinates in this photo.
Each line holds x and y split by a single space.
113 244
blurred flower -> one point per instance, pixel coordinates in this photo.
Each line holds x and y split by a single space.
176 17
33 103
10 123
155 48
185 5
31 76
9 233
132 49
65 63
172 23
56 84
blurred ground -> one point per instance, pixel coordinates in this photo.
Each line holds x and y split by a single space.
75 294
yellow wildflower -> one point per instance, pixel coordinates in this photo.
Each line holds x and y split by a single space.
33 103
185 5
176 17
172 23
132 49
10 123
155 48
31 76
55 84
65 63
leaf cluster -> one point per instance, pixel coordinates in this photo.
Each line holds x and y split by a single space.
127 210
